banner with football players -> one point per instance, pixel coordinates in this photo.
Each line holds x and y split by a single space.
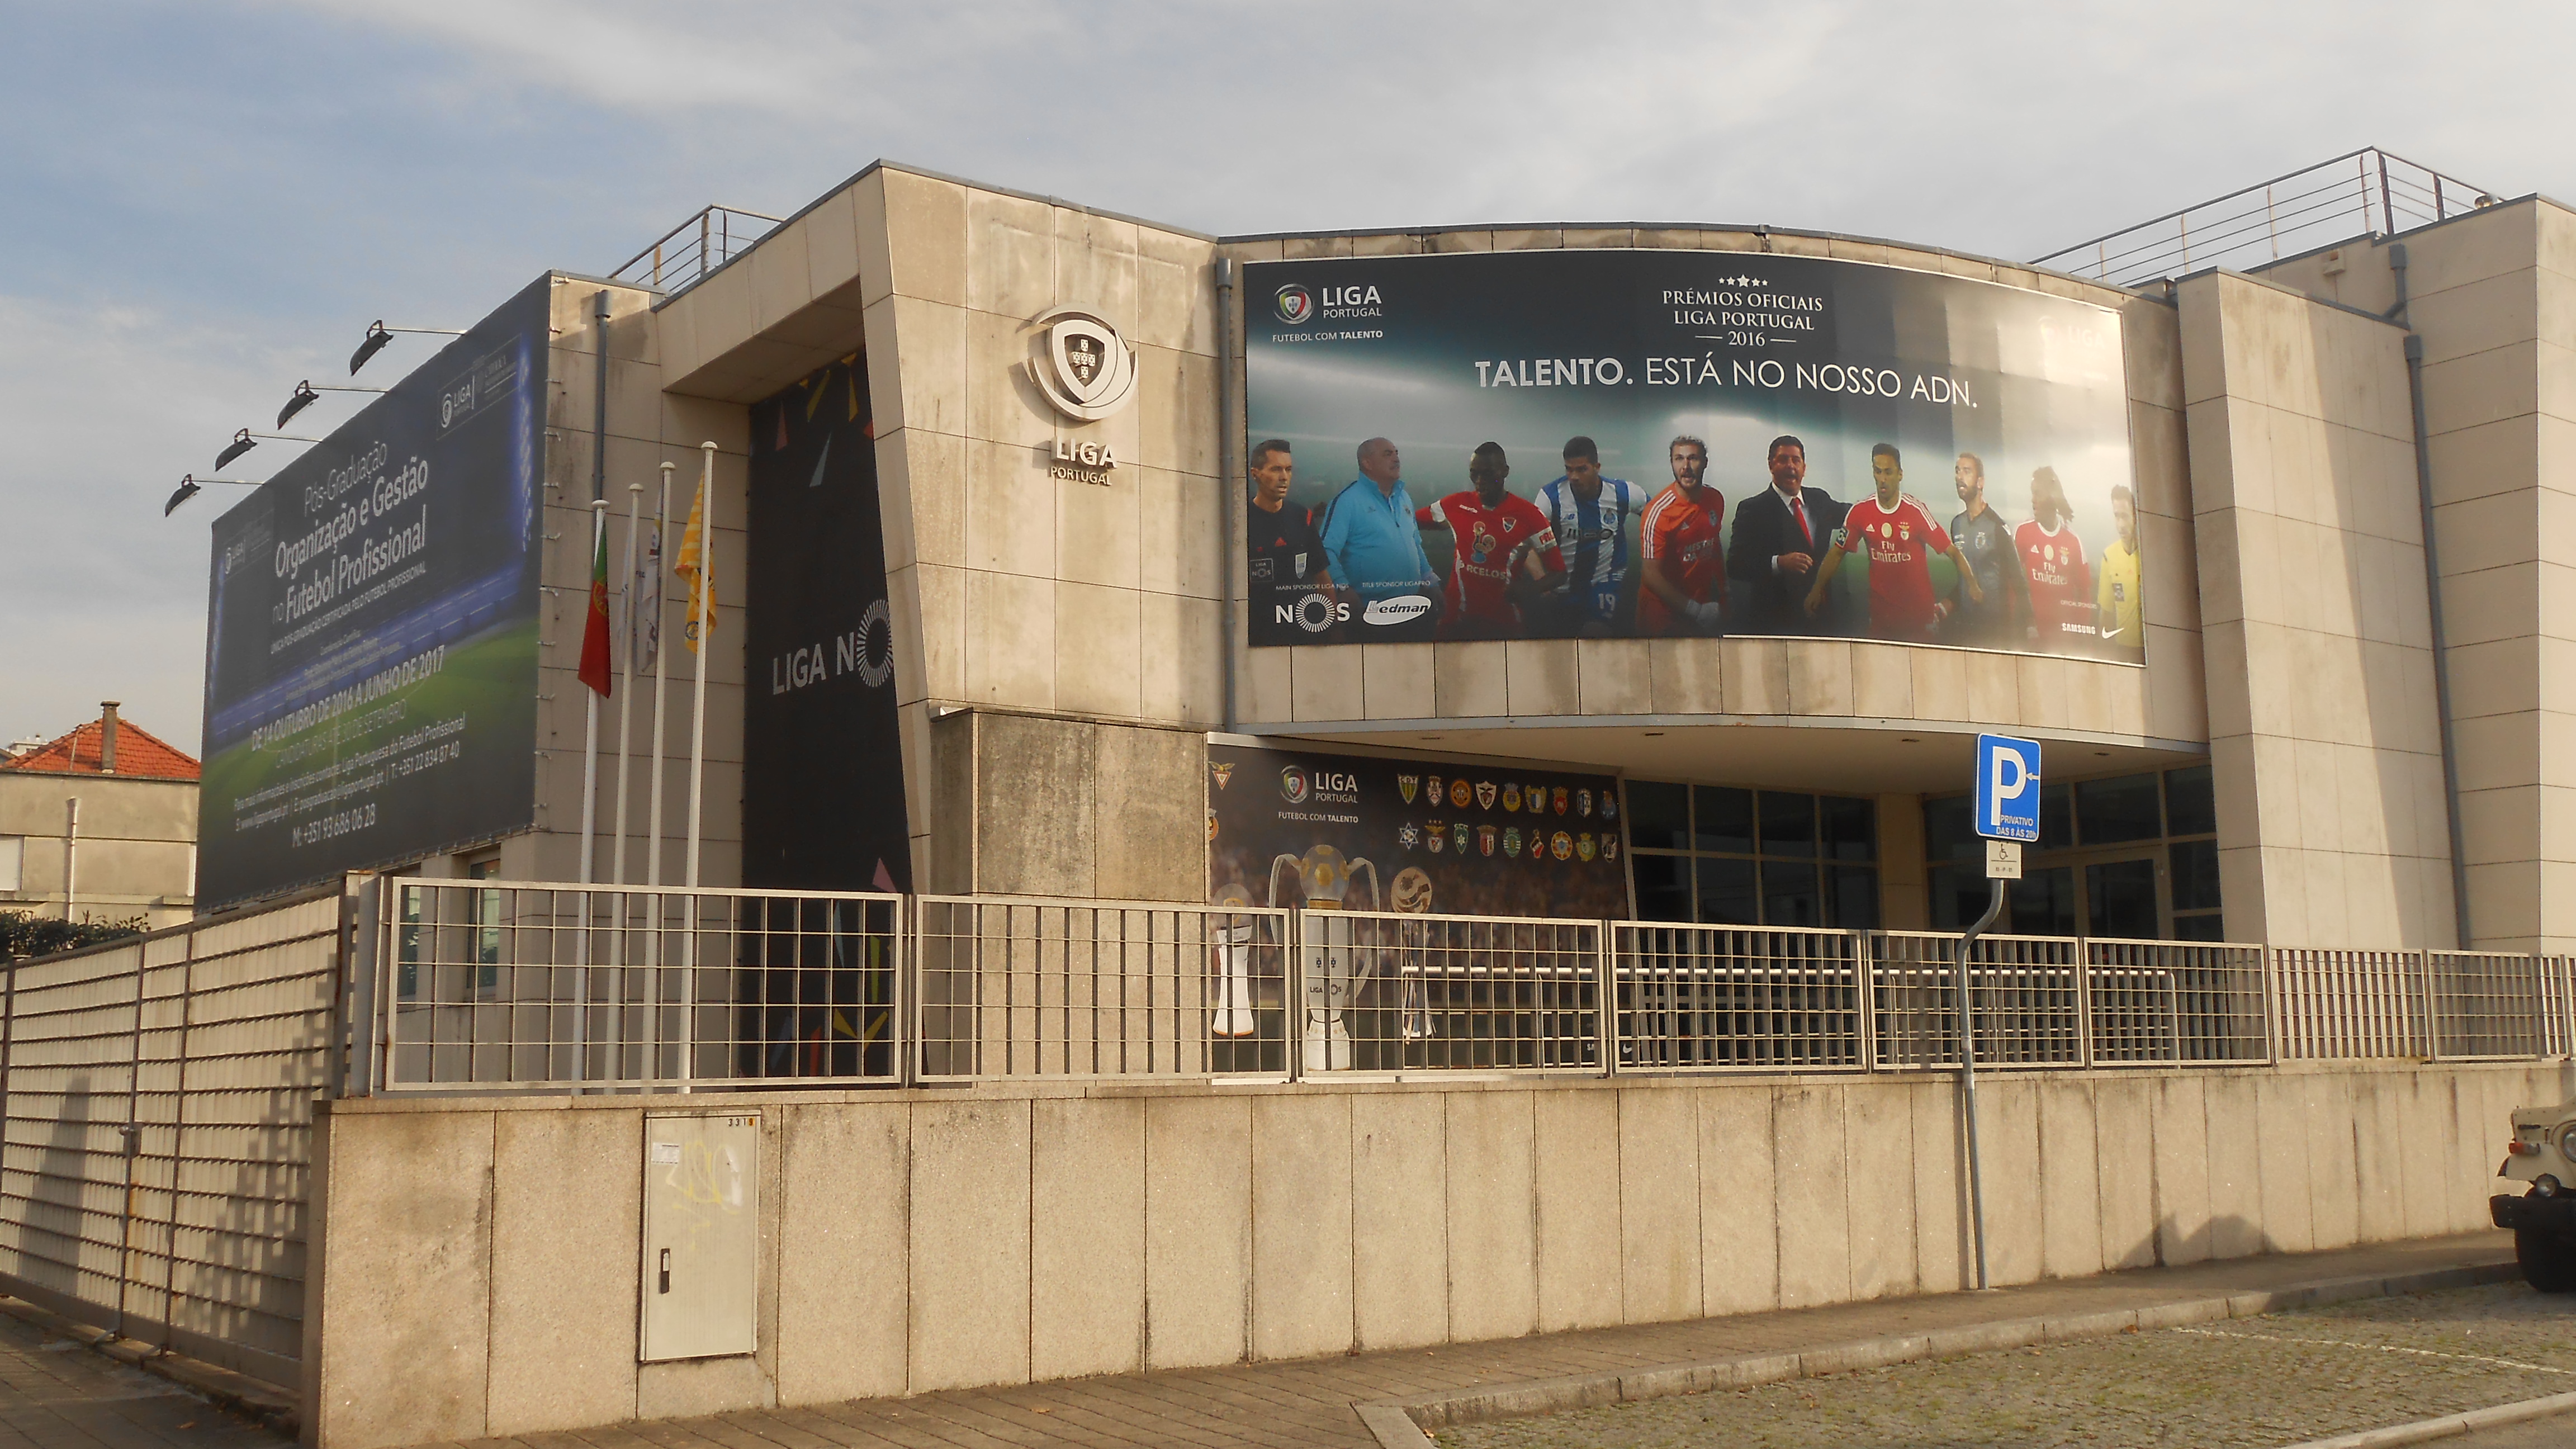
1633 443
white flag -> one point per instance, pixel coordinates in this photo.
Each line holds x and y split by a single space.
644 599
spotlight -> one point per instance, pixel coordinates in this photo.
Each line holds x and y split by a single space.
240 444
303 397
378 334
192 485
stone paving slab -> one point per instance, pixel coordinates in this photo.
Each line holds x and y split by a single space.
1309 1403
55 1393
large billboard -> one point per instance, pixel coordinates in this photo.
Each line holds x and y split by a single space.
822 785
1630 443
371 635
1292 828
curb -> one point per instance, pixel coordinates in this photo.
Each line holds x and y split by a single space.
265 1404
2448 1425
1399 1423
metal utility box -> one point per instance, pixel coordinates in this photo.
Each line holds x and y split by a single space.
701 1236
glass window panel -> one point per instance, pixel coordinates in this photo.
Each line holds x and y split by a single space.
2114 810
2195 875
1658 815
1724 818
1663 887
2041 903
2056 818
1789 894
1856 899
2191 807
1850 827
1788 824
1948 832
2199 928
1726 893
2120 899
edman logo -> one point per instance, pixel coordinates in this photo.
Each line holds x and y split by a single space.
1292 785
1295 305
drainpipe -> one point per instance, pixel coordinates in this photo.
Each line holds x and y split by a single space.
71 855
2433 598
1229 477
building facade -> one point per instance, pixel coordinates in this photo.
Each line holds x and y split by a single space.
100 825
1055 670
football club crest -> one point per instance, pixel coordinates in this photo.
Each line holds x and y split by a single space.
1537 797
1408 835
1223 774
1406 785
1434 790
1561 845
1486 837
1439 837
1460 793
1583 847
1485 794
1294 305
1082 365
1292 785
1559 797
1211 825
1609 847
1458 836
1512 842
1609 804
1512 799
1583 802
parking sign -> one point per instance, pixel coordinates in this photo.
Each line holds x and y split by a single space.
2007 788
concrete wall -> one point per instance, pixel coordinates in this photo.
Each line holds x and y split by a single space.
1051 806
2493 295
2325 742
138 846
475 1261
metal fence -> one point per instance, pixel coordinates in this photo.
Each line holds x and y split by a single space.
515 986
158 1097
2362 193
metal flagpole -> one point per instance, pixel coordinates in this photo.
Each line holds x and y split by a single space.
661 763
625 756
589 817
705 589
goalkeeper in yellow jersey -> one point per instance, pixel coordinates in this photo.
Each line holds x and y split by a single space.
2115 602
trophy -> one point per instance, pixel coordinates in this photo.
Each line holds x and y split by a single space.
1334 968
1230 967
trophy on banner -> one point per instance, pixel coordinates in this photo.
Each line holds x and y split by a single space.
1334 967
1230 966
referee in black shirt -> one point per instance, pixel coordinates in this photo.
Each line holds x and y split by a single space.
1987 542
1291 595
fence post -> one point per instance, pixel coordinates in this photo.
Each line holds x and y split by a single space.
1295 1047
1605 967
1865 976
2084 1004
900 1021
178 1144
132 1135
2432 1039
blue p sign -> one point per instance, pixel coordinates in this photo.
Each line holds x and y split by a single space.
2007 788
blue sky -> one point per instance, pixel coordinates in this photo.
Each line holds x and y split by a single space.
205 202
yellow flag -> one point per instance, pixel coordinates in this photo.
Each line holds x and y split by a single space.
694 566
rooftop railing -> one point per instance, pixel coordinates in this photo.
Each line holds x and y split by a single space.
2363 193
691 252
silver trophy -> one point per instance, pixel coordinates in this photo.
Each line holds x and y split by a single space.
1335 966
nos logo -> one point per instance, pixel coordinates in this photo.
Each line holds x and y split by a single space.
1292 785
1294 304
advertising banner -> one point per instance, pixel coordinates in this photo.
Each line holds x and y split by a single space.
822 785
1293 828
371 636
1617 443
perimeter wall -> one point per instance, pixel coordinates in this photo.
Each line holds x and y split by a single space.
475 1271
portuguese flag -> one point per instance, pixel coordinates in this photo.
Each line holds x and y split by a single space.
594 631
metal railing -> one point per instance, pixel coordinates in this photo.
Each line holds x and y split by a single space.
689 253
2363 193
540 986
488 985
158 1131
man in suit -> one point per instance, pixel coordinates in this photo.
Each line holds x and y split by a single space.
1781 534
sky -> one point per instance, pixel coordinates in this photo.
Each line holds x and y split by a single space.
206 201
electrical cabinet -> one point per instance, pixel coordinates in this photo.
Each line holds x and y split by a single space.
701 1236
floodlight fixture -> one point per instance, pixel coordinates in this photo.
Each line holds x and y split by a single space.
307 393
192 485
378 334
245 440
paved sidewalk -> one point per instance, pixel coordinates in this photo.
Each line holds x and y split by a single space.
55 1393
1307 1404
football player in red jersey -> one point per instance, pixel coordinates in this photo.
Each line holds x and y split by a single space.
2061 582
1506 552
1901 538
1681 579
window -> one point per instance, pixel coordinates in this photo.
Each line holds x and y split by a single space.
1725 855
2129 855
13 862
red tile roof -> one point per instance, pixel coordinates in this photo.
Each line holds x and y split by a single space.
139 755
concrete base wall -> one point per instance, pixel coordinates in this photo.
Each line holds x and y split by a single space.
474 1269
